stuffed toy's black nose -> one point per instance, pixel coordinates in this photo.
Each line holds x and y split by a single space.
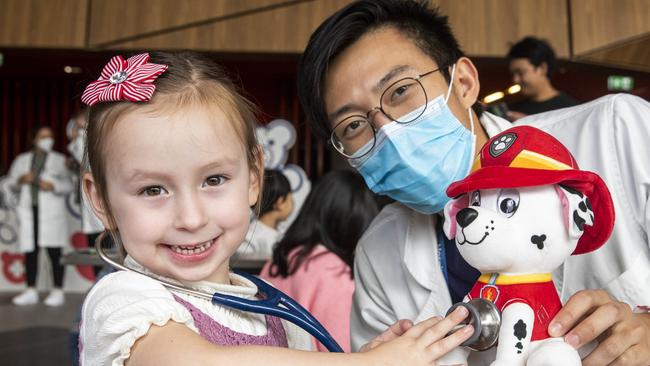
465 216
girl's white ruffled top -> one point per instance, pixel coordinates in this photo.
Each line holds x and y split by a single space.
122 306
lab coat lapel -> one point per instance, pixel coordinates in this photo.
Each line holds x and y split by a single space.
421 260
420 248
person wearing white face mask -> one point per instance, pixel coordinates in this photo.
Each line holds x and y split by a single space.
387 83
43 179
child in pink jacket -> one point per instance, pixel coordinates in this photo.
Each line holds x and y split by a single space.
313 262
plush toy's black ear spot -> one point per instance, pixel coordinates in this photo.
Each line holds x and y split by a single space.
571 190
588 204
579 221
582 206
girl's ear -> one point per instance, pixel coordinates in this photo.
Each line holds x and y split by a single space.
96 202
277 205
256 177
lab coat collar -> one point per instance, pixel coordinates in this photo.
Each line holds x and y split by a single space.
493 124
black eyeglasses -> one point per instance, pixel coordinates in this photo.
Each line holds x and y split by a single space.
355 136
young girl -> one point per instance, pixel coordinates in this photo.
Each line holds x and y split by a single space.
175 169
313 261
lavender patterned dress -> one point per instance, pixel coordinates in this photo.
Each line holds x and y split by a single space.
221 335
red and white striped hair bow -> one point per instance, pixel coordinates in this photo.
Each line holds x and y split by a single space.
130 80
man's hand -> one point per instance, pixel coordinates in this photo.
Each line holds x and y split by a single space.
26 178
397 329
624 337
46 186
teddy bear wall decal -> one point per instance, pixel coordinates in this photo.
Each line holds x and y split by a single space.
524 208
277 138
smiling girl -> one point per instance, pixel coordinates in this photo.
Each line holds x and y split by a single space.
175 170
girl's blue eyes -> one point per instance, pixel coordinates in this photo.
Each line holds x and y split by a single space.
211 181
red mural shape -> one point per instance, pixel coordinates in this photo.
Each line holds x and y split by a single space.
8 260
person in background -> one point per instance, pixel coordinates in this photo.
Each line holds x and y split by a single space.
532 63
42 177
313 262
276 206
90 224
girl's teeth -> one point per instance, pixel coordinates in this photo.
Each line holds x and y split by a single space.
192 249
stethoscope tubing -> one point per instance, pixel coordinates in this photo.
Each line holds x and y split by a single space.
292 311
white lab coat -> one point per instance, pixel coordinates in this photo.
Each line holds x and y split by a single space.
397 271
52 223
90 223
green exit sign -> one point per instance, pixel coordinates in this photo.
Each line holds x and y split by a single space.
618 82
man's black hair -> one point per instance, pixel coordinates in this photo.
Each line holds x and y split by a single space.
428 29
276 186
537 51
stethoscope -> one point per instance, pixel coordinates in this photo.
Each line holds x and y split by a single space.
272 301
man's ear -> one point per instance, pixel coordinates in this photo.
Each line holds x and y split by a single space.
451 209
466 84
96 202
543 69
576 210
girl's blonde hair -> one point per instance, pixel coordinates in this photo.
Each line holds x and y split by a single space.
190 80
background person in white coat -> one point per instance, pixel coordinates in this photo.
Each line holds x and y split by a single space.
361 77
42 177
90 224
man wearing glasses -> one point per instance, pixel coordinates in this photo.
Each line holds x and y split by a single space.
386 82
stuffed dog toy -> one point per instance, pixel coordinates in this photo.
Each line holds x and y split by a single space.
524 208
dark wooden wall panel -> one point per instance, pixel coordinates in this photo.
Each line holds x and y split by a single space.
145 16
43 23
600 23
489 27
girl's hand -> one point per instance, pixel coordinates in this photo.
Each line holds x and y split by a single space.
423 343
394 331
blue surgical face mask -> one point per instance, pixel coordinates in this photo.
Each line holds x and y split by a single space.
414 163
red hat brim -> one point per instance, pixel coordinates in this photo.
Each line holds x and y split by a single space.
590 184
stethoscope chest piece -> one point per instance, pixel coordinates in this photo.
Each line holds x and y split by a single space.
486 319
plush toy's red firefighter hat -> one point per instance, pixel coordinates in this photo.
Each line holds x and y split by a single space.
525 156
